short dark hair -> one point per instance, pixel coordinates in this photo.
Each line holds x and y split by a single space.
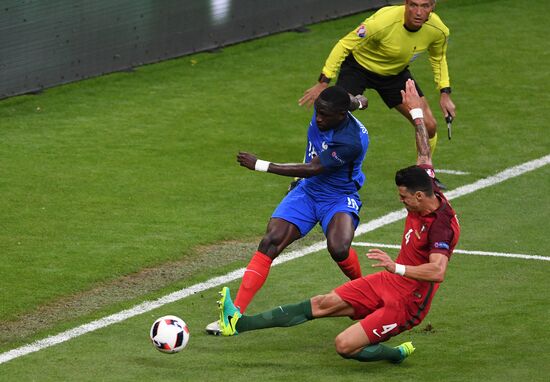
335 98
414 178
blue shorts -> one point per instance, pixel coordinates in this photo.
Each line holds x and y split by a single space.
304 211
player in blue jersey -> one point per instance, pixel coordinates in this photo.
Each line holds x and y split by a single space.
327 194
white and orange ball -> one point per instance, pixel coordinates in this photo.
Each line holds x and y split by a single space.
169 334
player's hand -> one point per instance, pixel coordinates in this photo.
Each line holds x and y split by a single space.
410 97
247 160
447 105
311 94
364 101
384 260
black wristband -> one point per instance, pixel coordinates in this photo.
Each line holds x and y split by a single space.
323 78
445 90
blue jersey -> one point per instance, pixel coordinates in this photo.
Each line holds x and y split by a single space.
341 151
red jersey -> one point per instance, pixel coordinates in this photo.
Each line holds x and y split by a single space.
437 232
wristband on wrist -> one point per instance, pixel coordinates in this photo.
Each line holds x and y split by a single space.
416 113
445 90
261 165
323 78
400 269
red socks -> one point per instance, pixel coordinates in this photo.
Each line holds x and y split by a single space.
258 268
253 279
351 266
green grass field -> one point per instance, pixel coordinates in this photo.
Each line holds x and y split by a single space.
125 188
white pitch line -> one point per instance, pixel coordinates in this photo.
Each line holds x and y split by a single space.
221 280
452 172
463 251
509 173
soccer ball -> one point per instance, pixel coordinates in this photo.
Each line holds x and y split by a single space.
169 334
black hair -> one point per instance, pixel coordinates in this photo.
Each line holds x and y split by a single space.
335 99
414 178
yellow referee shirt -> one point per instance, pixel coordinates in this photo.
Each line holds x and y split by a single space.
382 44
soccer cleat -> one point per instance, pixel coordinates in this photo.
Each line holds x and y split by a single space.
406 349
229 314
213 328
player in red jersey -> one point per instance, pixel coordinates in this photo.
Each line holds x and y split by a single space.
389 302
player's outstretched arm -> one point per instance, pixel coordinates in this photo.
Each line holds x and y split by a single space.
433 271
412 102
301 170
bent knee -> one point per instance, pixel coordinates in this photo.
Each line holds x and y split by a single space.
344 346
271 244
272 238
338 252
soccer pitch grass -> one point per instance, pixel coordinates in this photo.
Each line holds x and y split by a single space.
106 177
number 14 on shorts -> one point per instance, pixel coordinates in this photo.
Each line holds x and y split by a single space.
352 203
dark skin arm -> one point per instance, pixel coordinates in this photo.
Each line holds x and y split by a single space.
301 170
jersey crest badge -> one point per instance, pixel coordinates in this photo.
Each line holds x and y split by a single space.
418 234
361 31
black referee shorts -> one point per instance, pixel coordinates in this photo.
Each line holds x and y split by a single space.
355 79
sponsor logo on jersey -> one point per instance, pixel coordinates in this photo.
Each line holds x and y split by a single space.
361 31
430 172
441 244
335 156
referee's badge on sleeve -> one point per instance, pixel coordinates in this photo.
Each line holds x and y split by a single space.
361 31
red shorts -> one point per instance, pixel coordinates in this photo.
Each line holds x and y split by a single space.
383 311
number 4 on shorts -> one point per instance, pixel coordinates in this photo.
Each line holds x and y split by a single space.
385 329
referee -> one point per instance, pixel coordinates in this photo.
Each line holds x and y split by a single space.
376 55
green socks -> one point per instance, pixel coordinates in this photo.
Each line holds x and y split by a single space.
377 352
296 314
282 316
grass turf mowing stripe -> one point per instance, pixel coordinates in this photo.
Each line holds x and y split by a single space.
220 280
463 251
